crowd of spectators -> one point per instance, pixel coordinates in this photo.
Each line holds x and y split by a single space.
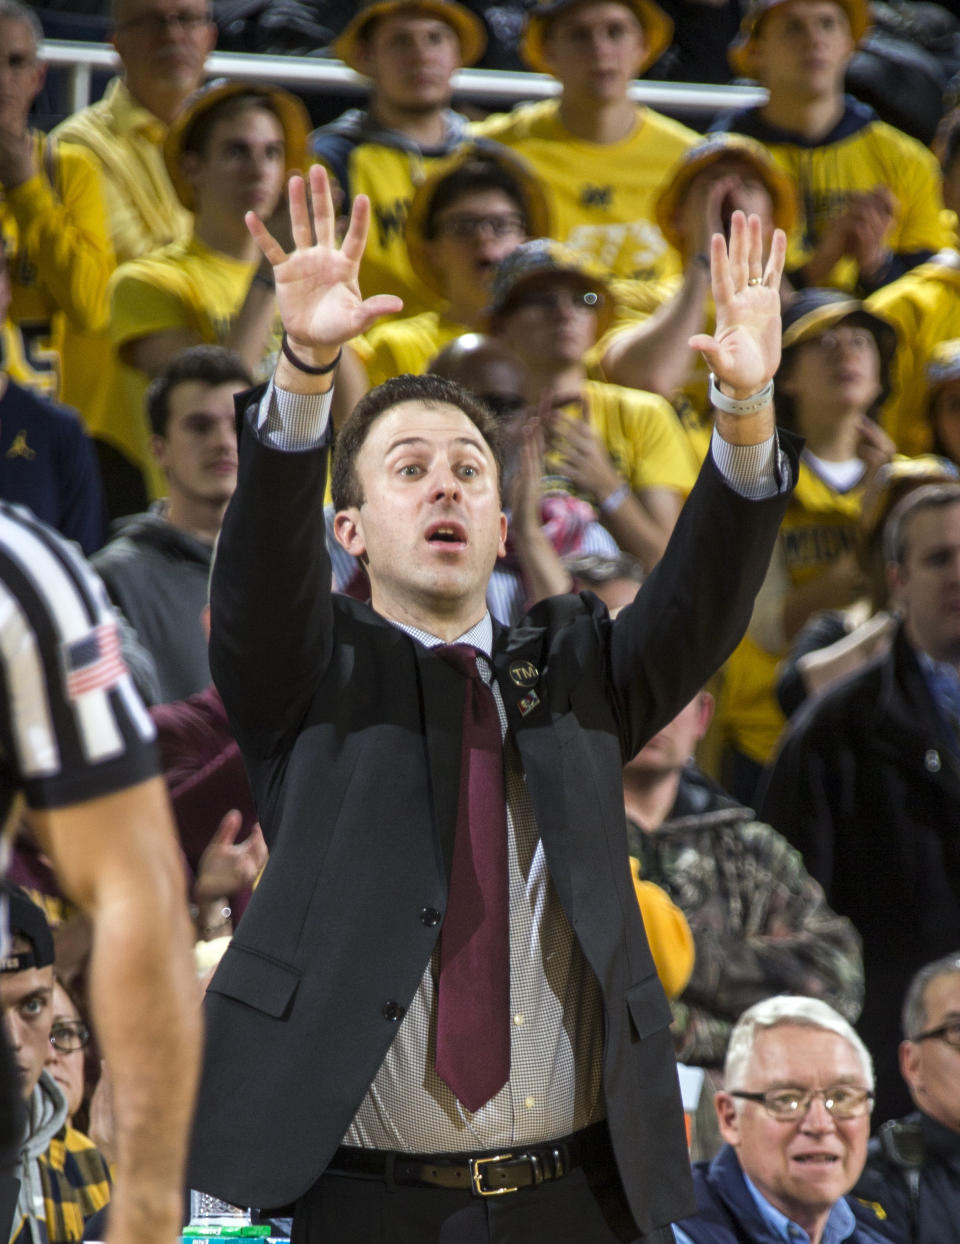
554 259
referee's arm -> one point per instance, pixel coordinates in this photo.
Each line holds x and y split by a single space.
116 856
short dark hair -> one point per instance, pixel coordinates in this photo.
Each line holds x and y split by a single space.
480 172
198 134
429 390
930 497
914 1016
211 365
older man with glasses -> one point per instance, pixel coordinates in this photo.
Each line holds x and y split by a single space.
914 1162
795 1116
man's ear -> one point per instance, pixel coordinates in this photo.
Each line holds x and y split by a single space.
158 447
346 528
502 547
728 1117
910 1069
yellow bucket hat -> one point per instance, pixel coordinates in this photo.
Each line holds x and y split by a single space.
291 113
718 147
469 28
739 51
657 27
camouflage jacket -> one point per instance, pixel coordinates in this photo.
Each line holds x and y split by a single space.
760 923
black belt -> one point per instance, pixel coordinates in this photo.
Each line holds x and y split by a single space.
482 1174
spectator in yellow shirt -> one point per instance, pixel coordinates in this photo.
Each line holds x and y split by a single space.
227 153
603 157
621 449
53 224
162 45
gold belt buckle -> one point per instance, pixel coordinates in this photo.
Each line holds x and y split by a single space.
476 1175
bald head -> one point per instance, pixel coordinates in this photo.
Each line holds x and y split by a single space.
487 368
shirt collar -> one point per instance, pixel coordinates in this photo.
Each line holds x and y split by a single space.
840 1225
131 117
479 636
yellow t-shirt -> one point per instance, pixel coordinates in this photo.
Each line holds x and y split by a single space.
399 346
819 525
604 194
865 153
924 306
636 302
60 259
642 436
143 213
387 168
182 286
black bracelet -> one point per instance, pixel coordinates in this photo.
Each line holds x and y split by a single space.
300 365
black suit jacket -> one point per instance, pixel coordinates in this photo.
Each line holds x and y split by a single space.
351 733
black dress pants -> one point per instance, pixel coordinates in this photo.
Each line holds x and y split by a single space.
586 1206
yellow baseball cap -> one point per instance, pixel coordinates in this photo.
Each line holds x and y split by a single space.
293 117
469 28
657 27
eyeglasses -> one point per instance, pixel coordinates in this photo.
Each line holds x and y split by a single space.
69 1035
465 227
950 1033
833 342
557 300
157 23
791 1105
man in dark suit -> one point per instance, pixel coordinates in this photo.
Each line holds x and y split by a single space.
323 1081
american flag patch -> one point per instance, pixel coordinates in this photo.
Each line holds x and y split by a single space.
93 662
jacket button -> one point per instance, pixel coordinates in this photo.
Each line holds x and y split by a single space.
430 917
394 1012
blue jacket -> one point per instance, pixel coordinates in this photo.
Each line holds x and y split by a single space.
728 1214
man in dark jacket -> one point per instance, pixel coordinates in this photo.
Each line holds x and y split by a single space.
867 782
913 1166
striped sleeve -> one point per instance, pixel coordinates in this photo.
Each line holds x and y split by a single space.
72 726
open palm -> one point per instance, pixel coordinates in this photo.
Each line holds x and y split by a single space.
744 351
318 294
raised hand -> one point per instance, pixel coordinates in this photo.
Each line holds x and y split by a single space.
318 294
744 351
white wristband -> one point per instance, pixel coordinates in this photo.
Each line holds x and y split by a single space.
615 500
740 406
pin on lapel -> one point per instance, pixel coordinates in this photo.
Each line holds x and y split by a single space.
523 673
528 703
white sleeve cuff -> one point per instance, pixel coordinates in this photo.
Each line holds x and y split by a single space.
294 421
754 471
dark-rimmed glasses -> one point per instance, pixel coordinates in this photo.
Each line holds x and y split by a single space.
466 225
844 1101
69 1035
950 1033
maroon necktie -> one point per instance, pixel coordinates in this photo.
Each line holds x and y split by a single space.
473 1006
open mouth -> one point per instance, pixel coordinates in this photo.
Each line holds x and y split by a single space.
816 1159
446 533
